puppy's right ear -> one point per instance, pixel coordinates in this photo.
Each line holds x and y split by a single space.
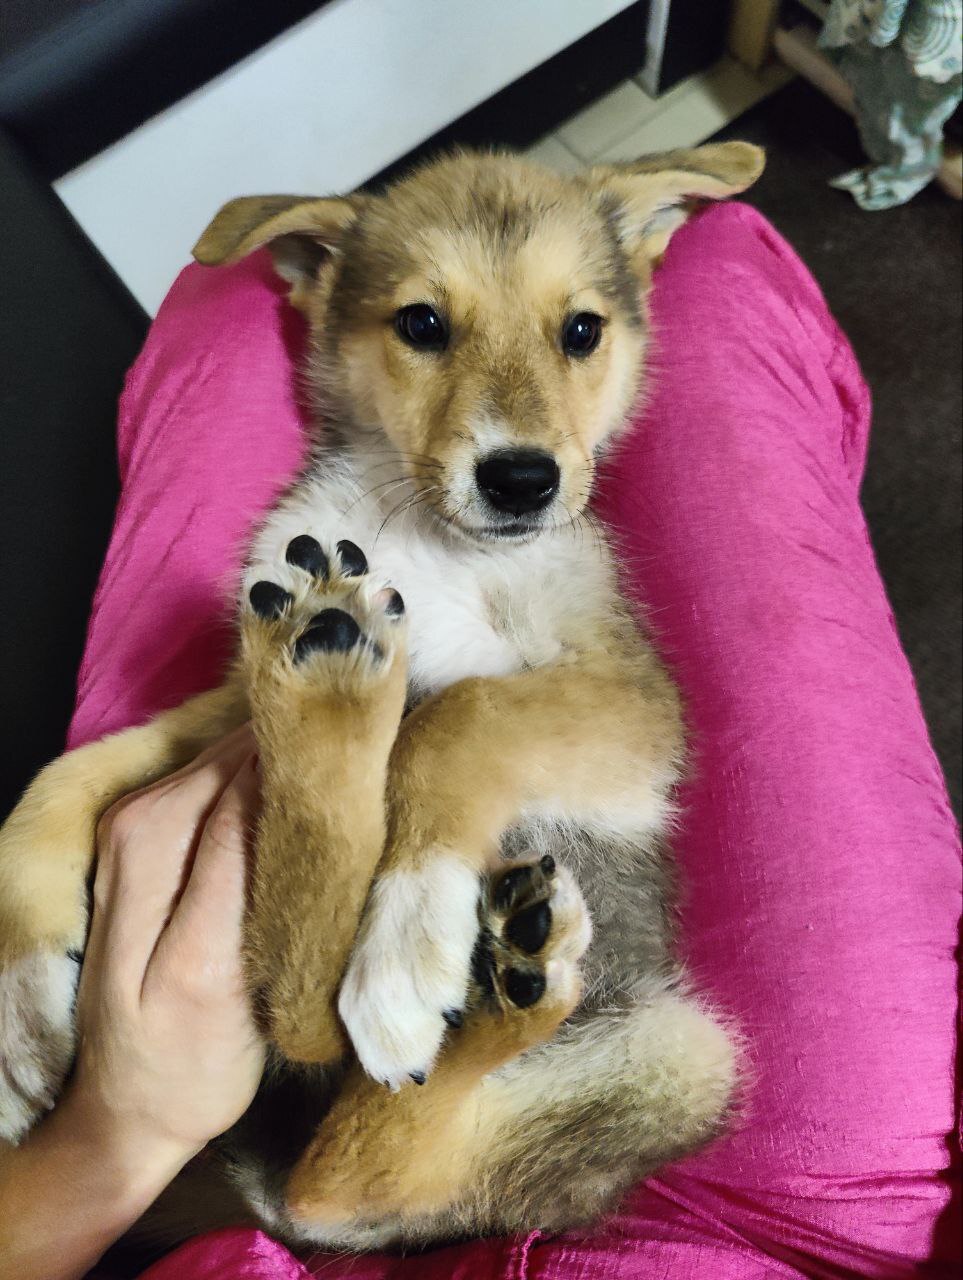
302 232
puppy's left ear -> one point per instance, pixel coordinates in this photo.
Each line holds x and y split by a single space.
650 198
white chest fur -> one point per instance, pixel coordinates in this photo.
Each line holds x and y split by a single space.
473 610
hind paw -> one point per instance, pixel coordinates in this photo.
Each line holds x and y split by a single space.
535 929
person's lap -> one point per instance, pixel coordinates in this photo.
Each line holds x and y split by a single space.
818 851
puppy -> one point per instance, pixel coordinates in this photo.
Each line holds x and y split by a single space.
460 932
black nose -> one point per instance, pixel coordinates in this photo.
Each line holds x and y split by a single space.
518 481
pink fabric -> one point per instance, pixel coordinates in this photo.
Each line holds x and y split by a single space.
817 843
229 1255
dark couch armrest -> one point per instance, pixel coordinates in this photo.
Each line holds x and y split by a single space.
68 332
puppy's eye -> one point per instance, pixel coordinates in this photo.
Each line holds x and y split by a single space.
421 326
581 334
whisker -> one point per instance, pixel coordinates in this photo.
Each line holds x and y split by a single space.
396 482
400 453
592 522
402 506
412 463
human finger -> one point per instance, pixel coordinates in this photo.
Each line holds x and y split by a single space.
145 850
207 923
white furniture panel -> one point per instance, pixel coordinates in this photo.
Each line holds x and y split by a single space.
320 109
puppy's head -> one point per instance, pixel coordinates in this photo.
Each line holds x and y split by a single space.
485 315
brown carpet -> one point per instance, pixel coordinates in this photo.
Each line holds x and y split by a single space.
893 279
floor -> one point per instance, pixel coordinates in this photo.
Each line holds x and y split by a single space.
628 122
894 281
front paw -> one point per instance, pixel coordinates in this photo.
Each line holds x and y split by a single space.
410 970
37 1036
321 621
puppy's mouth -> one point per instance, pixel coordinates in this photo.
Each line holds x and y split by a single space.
521 532
514 533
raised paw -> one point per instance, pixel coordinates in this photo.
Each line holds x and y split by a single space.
36 1036
535 929
322 616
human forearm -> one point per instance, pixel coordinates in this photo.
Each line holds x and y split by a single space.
168 1052
72 1189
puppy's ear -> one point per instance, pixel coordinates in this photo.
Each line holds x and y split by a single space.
302 232
650 198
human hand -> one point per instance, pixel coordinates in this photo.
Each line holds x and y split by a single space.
168 1051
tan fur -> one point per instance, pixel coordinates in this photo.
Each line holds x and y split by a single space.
584 735
46 844
593 736
411 1154
469 1153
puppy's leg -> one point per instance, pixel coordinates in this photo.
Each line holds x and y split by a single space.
497 1142
323 651
380 1153
46 855
571 1127
591 740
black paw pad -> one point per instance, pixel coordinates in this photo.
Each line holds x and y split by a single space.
454 1018
332 631
524 989
531 927
353 562
395 606
268 600
510 885
305 552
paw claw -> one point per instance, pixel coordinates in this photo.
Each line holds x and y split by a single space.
510 886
